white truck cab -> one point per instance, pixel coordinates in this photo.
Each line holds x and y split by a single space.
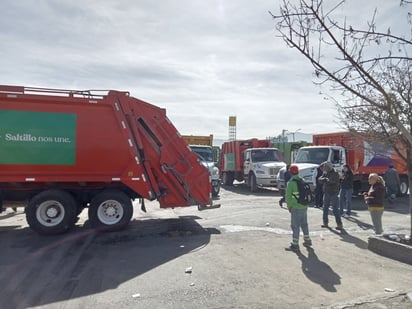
261 167
205 154
308 160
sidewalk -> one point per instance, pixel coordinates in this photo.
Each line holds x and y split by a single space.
359 231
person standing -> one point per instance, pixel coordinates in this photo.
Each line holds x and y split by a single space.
330 181
346 191
286 177
298 212
392 181
318 192
374 199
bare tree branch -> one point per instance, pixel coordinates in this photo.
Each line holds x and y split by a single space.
374 89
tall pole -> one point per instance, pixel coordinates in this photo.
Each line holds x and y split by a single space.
283 142
294 134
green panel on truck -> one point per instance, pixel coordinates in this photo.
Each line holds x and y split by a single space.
37 138
229 162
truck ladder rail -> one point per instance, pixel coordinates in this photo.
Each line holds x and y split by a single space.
90 94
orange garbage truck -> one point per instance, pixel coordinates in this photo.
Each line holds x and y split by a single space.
65 150
340 148
364 157
253 161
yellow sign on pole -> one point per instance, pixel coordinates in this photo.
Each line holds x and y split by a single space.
232 121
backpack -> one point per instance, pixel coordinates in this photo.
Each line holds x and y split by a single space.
305 194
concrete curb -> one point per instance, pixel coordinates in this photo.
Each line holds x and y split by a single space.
375 301
390 249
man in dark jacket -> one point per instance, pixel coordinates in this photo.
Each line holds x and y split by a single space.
318 188
330 180
346 191
392 182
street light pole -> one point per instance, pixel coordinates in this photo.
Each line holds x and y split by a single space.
283 143
294 134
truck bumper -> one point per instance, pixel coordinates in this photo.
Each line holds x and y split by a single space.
266 182
215 182
213 206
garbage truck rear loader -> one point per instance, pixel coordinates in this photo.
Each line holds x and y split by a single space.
64 150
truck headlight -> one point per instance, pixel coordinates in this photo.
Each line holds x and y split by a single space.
215 171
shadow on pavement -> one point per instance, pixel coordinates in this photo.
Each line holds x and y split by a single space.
241 188
38 270
318 271
401 205
345 236
363 225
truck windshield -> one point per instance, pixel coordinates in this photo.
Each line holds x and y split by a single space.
262 155
205 153
312 155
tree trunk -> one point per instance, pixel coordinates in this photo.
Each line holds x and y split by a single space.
409 165
410 203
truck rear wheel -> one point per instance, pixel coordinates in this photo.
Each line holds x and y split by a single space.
110 210
51 212
228 178
404 186
215 190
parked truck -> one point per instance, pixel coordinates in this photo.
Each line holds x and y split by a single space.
65 150
252 161
364 157
203 147
199 139
288 150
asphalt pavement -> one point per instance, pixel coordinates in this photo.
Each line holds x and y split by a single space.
232 257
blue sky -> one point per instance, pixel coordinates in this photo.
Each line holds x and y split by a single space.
201 60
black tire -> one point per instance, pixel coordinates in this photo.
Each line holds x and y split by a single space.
215 190
110 210
228 178
252 183
51 212
404 186
357 188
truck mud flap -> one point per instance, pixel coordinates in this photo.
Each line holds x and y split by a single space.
206 207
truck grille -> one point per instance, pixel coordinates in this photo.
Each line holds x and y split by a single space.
274 170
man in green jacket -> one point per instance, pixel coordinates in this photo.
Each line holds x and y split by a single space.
299 218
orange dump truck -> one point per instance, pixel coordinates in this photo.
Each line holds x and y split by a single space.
253 161
64 150
340 148
364 157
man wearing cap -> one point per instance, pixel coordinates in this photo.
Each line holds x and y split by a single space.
299 218
392 183
330 181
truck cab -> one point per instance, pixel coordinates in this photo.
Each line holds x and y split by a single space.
310 157
206 157
261 167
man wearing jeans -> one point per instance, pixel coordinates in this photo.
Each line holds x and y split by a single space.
298 212
346 190
330 181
